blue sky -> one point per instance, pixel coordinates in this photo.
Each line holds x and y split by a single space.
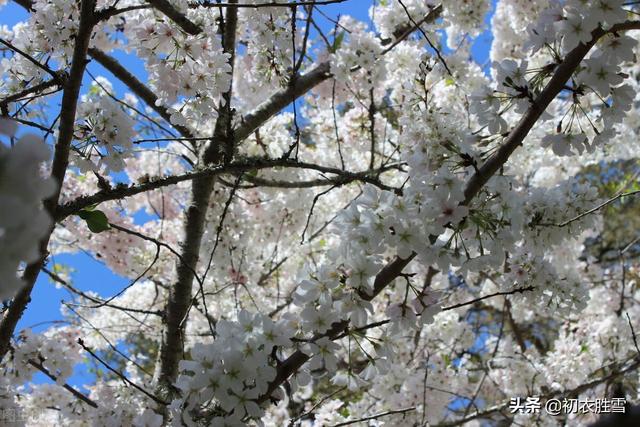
90 274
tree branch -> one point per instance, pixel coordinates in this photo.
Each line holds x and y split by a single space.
556 394
57 77
178 303
506 293
303 84
66 386
58 168
208 4
33 89
136 86
595 209
121 191
281 99
392 270
176 16
375 417
120 374
542 101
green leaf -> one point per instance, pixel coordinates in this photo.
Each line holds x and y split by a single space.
94 90
337 42
447 359
344 411
96 220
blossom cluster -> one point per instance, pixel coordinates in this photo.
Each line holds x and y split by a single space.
188 72
597 97
106 130
23 222
230 374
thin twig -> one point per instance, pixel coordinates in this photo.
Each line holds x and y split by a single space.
270 4
314 407
473 301
155 241
556 394
60 280
633 335
376 416
120 374
313 205
440 57
590 211
57 77
66 386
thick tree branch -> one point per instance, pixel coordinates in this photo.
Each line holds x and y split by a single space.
58 168
27 4
564 71
176 16
302 84
281 99
121 191
110 12
180 295
338 180
28 91
136 87
223 140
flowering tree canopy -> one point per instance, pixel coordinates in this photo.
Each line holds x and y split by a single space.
321 221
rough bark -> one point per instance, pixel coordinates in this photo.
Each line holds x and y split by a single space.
179 301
